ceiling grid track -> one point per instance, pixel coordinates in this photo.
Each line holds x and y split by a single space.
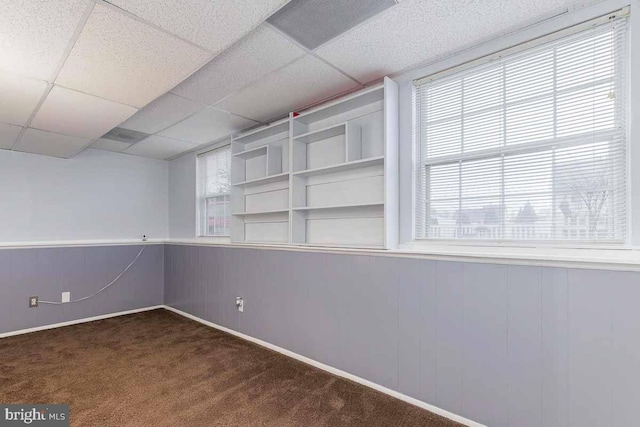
152 25
311 52
54 76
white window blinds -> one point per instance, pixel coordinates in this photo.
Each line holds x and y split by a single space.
215 192
531 146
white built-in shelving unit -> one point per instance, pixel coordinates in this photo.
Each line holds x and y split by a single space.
260 185
327 176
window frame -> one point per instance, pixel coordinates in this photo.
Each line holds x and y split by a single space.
419 163
203 197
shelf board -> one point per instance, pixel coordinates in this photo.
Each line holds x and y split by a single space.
324 133
254 152
342 105
340 167
260 212
359 205
263 132
265 180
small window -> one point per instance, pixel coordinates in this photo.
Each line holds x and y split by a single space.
214 169
531 146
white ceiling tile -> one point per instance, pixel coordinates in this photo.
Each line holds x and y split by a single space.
206 126
19 97
162 113
416 31
304 82
159 147
34 34
68 112
8 135
110 145
119 58
260 53
50 144
214 25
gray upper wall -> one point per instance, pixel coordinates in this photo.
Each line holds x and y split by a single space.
97 195
182 197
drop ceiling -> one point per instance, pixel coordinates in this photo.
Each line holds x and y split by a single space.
191 72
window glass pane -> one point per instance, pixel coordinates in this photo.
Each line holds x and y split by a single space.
529 77
586 61
218 216
529 147
444 138
484 90
480 211
586 110
445 101
218 169
444 201
215 179
586 189
528 195
530 121
483 130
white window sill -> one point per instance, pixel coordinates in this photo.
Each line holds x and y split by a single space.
626 257
611 258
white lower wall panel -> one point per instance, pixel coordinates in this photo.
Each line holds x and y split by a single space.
267 232
348 192
267 201
352 231
326 152
255 168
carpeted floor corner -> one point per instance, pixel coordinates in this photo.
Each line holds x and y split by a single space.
159 369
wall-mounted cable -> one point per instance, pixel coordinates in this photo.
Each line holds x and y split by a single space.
105 287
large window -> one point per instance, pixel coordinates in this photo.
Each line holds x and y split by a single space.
531 146
214 169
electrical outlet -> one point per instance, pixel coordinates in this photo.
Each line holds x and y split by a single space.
33 302
66 297
240 304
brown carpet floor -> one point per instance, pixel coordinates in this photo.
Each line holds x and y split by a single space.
159 369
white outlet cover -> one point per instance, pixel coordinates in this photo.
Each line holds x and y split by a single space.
66 297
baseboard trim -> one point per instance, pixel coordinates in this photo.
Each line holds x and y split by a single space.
332 370
77 321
